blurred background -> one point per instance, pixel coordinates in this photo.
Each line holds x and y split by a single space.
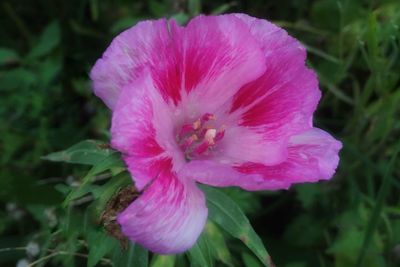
47 48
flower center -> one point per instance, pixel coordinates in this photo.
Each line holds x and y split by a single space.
199 137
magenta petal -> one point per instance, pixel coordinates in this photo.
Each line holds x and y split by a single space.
137 130
126 58
208 55
143 169
280 102
312 156
219 55
168 217
242 144
218 174
226 101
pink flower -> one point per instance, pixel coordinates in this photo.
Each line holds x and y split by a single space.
225 101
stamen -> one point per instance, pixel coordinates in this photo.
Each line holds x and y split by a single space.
199 137
219 135
187 128
207 117
210 135
203 147
202 133
189 141
197 124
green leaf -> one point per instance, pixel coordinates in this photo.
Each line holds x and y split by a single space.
78 193
101 193
49 39
194 7
299 233
17 78
99 245
296 264
88 152
8 56
94 9
200 254
226 213
181 18
163 261
49 69
223 8
124 23
347 245
250 260
136 256
158 8
376 212
104 193
140 256
217 243
308 194
110 161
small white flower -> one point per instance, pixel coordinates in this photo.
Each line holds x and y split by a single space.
51 216
22 263
11 206
71 181
17 214
32 249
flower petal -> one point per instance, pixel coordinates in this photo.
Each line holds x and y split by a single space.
126 58
208 55
312 156
280 102
242 144
168 217
216 61
141 129
218 174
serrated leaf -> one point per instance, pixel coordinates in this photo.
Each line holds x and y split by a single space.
88 152
200 254
226 213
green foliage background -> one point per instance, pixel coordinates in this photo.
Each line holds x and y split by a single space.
47 48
